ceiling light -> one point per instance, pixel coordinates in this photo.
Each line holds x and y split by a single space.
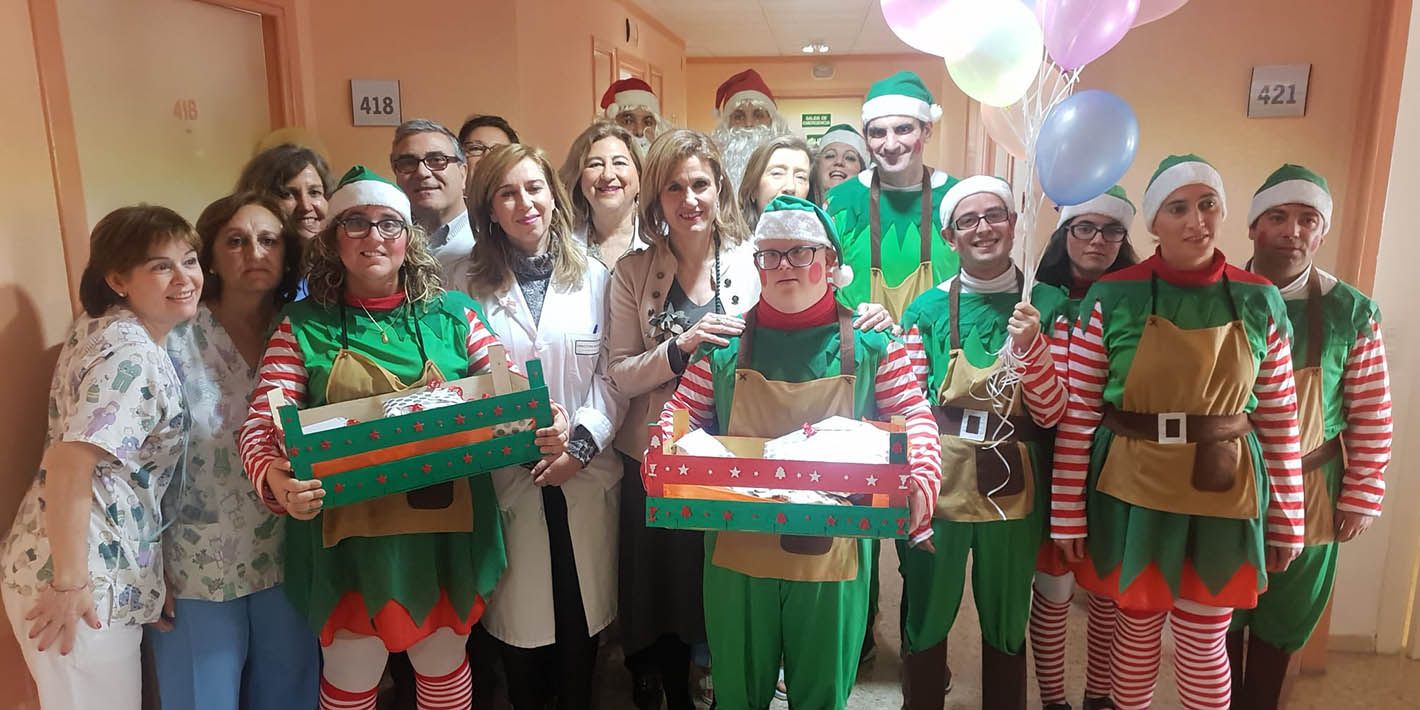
816 47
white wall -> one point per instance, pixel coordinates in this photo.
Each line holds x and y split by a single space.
1375 588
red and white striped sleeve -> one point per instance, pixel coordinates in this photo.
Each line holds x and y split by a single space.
1043 389
1059 336
1275 421
1089 370
282 367
695 394
916 356
478 341
1365 397
898 392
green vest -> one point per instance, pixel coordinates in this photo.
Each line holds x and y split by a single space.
1345 314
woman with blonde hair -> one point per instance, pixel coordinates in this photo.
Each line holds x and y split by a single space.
546 299
407 572
602 173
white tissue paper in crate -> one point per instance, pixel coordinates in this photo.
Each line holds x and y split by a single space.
836 440
429 398
700 443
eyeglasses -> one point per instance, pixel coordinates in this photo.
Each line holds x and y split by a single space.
798 257
477 150
1085 231
968 222
357 227
436 162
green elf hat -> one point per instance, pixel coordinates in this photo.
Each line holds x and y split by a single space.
790 217
971 186
902 94
849 136
1114 203
362 186
1177 171
1293 185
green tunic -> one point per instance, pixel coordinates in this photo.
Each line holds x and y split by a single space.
1003 552
815 627
1129 539
901 212
1295 599
412 570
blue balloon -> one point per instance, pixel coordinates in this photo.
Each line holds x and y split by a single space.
1085 146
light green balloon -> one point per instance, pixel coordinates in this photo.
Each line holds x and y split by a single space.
1000 51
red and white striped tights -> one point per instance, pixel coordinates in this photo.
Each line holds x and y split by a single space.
1200 656
354 664
1049 615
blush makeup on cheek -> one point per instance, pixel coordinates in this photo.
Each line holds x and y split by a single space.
815 273
763 276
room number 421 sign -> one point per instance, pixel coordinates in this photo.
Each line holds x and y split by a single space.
1278 90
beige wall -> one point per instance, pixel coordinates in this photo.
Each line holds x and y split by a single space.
530 62
34 292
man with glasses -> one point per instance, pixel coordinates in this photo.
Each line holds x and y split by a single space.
993 438
429 166
482 133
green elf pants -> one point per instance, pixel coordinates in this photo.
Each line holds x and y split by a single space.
815 627
1003 566
1289 610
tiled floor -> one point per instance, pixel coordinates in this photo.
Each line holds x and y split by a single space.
1352 681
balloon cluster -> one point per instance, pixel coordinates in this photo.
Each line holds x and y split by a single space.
1021 59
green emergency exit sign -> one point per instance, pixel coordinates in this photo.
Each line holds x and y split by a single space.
815 120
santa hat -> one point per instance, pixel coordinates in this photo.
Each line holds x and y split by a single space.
902 94
1293 185
971 186
362 186
1178 171
744 86
849 136
790 217
627 94
1114 203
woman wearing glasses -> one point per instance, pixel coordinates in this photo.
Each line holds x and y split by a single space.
1177 479
83 562
404 572
1091 240
687 289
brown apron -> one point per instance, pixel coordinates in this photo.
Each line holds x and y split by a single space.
1320 523
986 467
770 408
1179 443
896 298
442 507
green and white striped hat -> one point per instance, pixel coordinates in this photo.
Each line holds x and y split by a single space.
1293 185
1177 171
1114 203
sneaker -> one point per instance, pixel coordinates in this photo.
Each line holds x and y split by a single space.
704 691
781 691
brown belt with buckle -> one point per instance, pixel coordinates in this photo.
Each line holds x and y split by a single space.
983 425
1177 428
1322 455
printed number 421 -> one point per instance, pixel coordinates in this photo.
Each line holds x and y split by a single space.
1278 94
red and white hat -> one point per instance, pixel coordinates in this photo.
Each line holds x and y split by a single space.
747 85
627 94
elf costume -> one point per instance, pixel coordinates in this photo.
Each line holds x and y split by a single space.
407 571
1343 398
1054 586
890 233
1178 458
801 599
993 466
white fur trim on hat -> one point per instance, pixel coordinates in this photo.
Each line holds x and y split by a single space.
850 139
971 186
841 275
799 225
1293 192
899 105
633 98
1108 205
750 95
370 192
1190 173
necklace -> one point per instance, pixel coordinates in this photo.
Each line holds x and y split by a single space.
384 337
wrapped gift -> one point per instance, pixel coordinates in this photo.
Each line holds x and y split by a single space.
359 453
751 492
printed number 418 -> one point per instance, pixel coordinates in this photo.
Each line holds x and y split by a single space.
377 105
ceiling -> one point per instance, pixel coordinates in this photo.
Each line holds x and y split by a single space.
758 28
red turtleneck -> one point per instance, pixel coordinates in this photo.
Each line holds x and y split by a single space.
821 313
376 303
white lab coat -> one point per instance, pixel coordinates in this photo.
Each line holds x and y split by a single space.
568 342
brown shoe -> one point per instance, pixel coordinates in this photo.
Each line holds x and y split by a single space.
1003 679
1264 672
924 677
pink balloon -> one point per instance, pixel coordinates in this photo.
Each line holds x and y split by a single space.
1078 32
1003 129
1150 10
915 22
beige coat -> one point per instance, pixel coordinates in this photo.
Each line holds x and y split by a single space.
638 364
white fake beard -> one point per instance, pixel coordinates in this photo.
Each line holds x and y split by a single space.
642 142
736 146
